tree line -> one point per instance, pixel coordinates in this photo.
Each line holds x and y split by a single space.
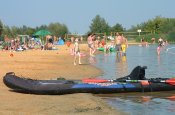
157 27
56 29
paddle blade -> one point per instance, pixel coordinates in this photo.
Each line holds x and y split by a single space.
170 81
144 82
94 80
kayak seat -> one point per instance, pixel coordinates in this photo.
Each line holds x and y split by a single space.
138 73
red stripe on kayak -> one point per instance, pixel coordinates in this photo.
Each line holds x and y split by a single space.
94 80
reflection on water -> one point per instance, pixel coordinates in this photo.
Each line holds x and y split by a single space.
92 60
144 97
111 65
154 103
121 68
158 66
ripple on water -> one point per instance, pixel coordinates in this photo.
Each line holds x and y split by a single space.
155 103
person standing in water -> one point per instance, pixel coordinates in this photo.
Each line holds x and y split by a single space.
118 42
124 45
91 44
76 52
160 44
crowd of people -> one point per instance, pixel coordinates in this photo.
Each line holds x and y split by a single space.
118 44
14 45
161 43
21 44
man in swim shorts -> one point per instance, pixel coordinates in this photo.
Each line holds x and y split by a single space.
91 45
118 42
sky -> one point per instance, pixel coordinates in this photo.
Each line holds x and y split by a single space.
77 15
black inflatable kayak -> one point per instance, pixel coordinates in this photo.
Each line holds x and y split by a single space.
54 87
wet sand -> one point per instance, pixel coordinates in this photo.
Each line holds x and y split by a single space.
37 64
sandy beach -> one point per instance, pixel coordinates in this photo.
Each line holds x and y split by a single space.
37 64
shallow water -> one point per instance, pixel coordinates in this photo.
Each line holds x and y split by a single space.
154 103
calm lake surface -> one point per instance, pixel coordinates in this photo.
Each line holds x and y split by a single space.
153 103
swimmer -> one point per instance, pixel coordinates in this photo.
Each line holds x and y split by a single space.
158 50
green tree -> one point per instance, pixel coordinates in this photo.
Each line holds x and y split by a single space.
99 25
58 29
1 27
22 30
30 31
6 31
117 28
159 26
15 30
42 27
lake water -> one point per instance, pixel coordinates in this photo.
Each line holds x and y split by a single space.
153 103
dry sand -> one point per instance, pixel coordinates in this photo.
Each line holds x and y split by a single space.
37 64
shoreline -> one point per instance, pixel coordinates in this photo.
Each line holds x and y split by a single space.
37 64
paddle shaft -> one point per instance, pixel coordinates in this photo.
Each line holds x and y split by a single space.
170 81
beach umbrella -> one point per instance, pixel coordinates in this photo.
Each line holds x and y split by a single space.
42 33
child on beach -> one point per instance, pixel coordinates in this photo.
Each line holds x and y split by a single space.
76 52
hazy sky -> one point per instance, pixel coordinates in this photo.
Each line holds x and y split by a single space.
78 14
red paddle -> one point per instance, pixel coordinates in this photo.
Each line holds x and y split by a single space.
95 80
169 81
